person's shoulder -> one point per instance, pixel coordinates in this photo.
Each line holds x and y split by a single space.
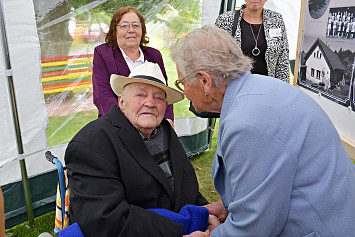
227 14
150 50
152 53
94 129
225 21
272 13
102 47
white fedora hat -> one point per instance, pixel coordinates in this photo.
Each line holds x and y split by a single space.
148 73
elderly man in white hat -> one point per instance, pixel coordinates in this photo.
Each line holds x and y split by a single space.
130 160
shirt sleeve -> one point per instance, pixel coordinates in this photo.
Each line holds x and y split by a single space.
283 62
255 179
225 21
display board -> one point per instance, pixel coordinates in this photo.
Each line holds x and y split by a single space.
326 61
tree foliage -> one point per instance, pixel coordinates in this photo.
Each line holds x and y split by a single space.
53 17
347 59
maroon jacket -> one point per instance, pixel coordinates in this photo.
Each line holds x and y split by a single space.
109 61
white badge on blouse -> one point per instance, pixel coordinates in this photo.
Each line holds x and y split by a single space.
276 32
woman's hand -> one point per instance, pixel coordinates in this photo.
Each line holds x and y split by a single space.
213 222
199 234
217 209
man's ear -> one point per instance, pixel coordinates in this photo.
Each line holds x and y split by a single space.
205 80
120 102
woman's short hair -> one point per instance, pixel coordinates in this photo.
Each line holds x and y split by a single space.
212 50
111 37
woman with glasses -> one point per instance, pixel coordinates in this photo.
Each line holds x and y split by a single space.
125 48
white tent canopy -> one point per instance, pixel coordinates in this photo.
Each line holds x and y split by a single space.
26 73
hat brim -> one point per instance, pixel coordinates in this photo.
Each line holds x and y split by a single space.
119 82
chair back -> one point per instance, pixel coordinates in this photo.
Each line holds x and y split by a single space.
62 219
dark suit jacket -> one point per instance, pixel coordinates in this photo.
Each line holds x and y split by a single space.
113 180
109 61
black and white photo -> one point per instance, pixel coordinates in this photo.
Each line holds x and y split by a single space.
327 54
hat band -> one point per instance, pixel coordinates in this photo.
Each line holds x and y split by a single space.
149 78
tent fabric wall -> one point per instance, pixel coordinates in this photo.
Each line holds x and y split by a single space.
42 186
24 52
210 11
25 55
193 134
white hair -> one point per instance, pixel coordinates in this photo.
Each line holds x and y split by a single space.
212 50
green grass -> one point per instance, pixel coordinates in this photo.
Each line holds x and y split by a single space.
61 129
202 164
44 223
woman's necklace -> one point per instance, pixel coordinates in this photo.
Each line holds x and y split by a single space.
256 50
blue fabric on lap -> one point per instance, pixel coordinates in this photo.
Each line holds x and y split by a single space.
192 217
72 231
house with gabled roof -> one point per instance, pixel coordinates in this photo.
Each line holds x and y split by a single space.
323 66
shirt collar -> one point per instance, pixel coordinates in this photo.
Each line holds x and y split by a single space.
155 131
141 55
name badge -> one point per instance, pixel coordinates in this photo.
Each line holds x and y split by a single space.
276 32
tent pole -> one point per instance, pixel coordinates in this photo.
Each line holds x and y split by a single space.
8 74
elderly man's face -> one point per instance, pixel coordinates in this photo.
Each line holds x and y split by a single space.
144 105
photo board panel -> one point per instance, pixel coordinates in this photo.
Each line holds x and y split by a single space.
326 61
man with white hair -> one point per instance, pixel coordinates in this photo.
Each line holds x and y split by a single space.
131 160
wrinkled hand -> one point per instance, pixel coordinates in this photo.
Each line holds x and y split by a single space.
217 209
213 222
199 234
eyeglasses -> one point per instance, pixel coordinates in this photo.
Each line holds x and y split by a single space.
179 85
125 25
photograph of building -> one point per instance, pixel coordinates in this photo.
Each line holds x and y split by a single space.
326 59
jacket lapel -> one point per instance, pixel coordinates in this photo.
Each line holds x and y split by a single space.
136 147
176 158
147 56
121 65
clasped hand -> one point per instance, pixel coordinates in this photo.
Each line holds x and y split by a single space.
218 215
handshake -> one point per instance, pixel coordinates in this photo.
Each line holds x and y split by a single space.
197 220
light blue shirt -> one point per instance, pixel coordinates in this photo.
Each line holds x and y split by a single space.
280 166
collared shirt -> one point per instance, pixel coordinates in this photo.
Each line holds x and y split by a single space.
151 135
130 63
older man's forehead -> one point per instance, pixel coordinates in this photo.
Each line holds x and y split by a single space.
145 87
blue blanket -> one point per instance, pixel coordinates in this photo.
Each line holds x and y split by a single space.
192 217
71 231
